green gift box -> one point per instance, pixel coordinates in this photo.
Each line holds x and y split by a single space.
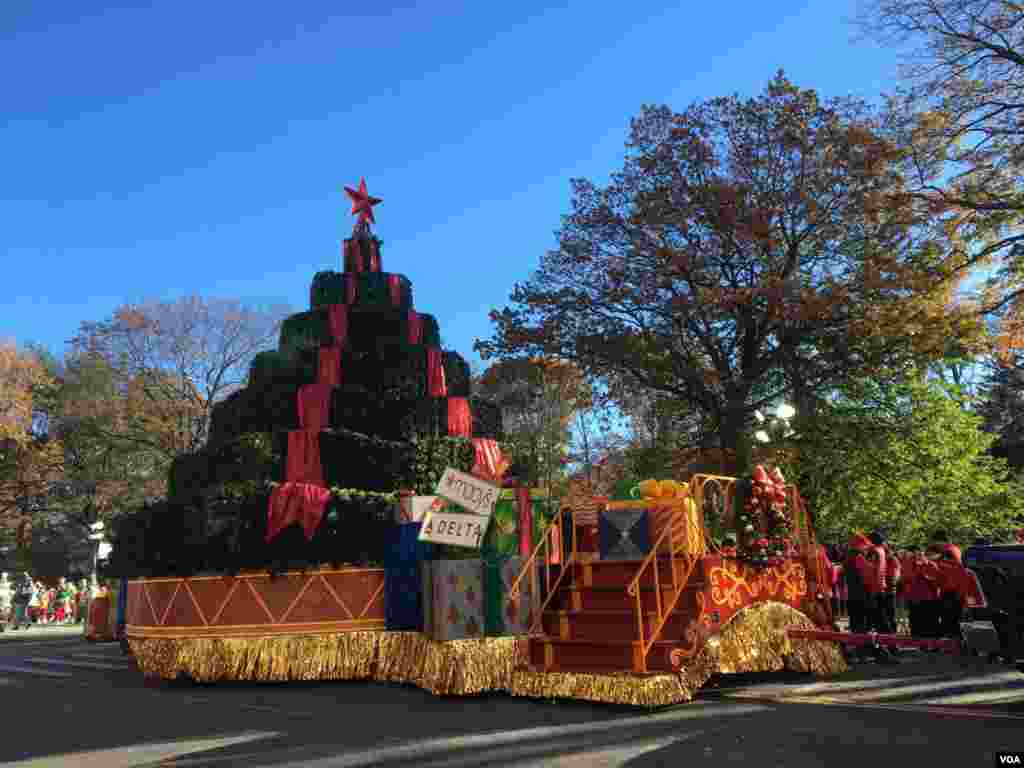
503 614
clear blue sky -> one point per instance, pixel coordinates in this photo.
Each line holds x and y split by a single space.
202 147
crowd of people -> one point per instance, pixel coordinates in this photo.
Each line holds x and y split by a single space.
25 601
875 585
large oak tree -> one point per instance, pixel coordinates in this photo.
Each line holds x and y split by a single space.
747 249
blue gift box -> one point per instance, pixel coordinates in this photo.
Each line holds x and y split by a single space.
404 546
625 534
403 597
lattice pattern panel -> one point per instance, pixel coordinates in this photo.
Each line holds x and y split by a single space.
346 600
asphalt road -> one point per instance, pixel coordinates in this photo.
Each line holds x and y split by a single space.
70 703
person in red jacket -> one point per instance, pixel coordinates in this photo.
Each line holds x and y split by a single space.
876 583
857 575
864 575
836 580
953 578
921 593
893 580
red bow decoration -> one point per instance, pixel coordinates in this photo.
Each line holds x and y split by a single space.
296 502
491 464
770 487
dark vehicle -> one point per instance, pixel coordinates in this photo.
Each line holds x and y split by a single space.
1000 569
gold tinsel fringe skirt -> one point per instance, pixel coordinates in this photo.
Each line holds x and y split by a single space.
754 640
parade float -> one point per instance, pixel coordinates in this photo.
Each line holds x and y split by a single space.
354 516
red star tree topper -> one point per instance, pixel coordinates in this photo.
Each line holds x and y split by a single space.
362 203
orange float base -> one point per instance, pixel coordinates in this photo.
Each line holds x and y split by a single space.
256 604
329 625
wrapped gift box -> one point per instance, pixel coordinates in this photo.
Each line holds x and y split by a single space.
403 597
624 534
454 592
404 546
502 614
502 538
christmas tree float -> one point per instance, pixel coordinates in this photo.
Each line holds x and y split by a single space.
281 555
303 466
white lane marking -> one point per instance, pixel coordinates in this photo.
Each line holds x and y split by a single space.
915 708
70 663
32 671
141 754
601 757
436 749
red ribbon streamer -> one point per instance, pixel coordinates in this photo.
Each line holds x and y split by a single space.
460 418
337 319
435 373
525 510
296 502
415 327
314 406
330 366
304 457
357 254
395 289
488 455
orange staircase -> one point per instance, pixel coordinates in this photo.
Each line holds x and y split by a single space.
591 624
605 616
626 616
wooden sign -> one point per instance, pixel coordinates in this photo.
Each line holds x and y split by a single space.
460 529
414 509
473 494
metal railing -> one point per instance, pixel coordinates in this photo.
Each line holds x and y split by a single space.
550 544
684 543
718 503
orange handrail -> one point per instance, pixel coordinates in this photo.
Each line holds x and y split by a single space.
694 550
550 540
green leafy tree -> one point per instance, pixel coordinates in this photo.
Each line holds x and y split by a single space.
907 458
1002 406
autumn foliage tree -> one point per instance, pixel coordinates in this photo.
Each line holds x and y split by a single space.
742 239
171 362
107 469
539 398
960 117
29 460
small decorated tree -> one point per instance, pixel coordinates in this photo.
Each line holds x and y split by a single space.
764 527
